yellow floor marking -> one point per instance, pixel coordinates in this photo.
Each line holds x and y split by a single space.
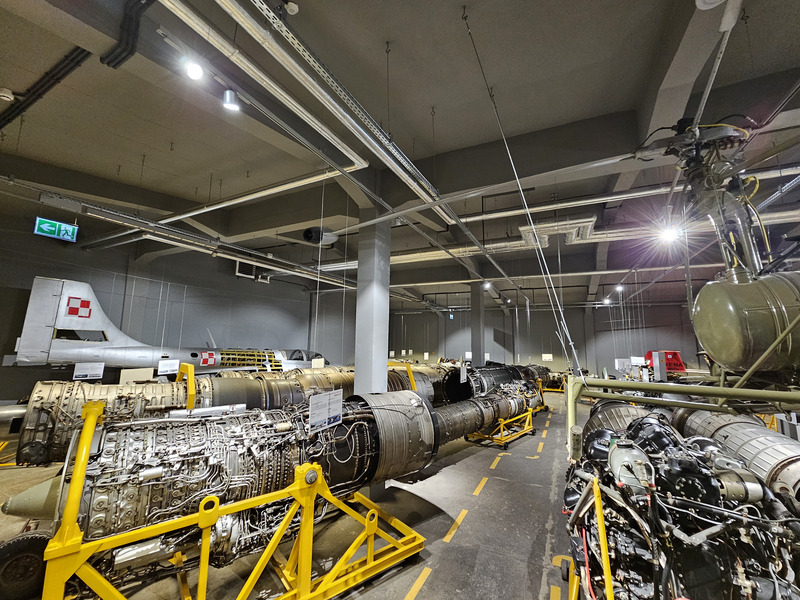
412 593
3 446
544 434
555 593
533 457
496 460
547 424
550 416
480 486
455 526
541 445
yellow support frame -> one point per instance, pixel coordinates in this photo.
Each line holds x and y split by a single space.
508 430
408 370
560 389
187 370
66 555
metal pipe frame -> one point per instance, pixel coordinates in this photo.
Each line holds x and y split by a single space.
780 401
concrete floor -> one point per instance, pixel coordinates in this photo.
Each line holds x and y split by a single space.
510 535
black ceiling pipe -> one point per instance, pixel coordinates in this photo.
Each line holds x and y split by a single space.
74 59
128 34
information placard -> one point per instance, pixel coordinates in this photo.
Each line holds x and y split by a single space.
324 410
169 366
89 370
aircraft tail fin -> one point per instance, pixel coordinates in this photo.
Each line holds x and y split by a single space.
64 310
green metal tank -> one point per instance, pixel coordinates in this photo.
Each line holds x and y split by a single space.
737 317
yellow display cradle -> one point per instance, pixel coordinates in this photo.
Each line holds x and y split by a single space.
508 430
559 388
67 555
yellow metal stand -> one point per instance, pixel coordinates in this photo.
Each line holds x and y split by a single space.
770 421
66 556
408 370
508 430
560 388
187 370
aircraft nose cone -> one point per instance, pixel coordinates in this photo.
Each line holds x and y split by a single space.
37 502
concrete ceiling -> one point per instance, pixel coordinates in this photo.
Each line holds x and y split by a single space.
578 86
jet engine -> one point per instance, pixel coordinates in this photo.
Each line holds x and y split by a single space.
147 471
683 517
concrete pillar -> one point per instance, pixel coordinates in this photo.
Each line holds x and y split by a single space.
441 344
477 323
372 306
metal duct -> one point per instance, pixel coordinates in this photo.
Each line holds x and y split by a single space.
613 415
487 379
436 375
456 420
406 437
281 393
453 390
773 457
535 372
422 381
314 383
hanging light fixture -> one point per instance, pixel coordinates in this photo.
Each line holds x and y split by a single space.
194 71
230 100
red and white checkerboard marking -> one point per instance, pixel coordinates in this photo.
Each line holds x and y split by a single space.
208 359
78 307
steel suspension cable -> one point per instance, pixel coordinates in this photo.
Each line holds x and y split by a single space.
555 304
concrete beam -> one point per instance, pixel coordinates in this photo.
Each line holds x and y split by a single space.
92 187
684 49
570 146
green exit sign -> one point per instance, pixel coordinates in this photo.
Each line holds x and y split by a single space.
54 229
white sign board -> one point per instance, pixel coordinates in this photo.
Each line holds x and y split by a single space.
467 355
317 363
402 352
426 356
463 373
638 361
89 370
169 367
324 410
547 358
134 375
623 365
410 352
391 353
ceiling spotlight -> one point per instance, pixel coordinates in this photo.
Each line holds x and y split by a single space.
669 235
508 300
606 300
194 71
487 285
230 100
619 288
291 7
6 95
